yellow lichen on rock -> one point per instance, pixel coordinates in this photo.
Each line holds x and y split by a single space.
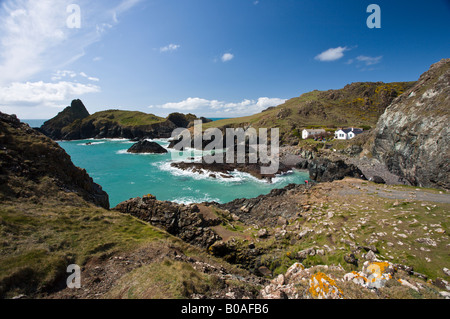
323 287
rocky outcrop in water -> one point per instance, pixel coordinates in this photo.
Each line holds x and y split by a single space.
53 128
147 147
413 135
75 123
104 128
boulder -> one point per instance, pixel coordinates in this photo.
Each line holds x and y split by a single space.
378 180
183 221
327 170
147 147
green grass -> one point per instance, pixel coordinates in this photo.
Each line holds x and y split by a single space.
163 280
126 118
38 242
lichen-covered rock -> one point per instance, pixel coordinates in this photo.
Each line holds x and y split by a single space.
374 275
322 286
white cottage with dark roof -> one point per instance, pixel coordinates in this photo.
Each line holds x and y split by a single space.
311 133
347 134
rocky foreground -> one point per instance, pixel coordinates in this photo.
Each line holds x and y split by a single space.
344 239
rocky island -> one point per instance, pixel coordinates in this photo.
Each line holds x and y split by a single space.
147 147
75 123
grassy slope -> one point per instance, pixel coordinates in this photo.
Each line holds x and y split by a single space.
40 240
359 104
126 118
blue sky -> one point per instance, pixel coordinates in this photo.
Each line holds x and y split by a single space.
215 58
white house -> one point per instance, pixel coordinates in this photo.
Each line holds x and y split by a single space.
310 133
347 134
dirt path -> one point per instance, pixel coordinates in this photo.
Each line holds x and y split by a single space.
396 192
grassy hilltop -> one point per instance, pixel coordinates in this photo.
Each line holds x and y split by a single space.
357 104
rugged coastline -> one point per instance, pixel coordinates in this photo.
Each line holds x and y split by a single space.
353 232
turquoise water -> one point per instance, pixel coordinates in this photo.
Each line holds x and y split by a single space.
124 176
219 118
34 123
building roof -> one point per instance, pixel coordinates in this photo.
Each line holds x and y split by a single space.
315 131
356 131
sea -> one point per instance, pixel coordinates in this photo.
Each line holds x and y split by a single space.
124 175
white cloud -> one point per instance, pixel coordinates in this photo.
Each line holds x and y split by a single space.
170 48
332 54
227 57
125 5
215 108
189 104
367 60
35 40
43 93
61 74
34 36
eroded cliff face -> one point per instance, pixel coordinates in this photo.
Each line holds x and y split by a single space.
413 136
33 166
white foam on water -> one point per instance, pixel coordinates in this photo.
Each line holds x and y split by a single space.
204 175
91 143
236 176
289 175
193 200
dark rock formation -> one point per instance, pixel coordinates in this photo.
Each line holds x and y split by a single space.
185 222
53 127
147 147
265 210
378 180
75 123
327 170
254 169
186 120
32 165
92 128
412 137
181 120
